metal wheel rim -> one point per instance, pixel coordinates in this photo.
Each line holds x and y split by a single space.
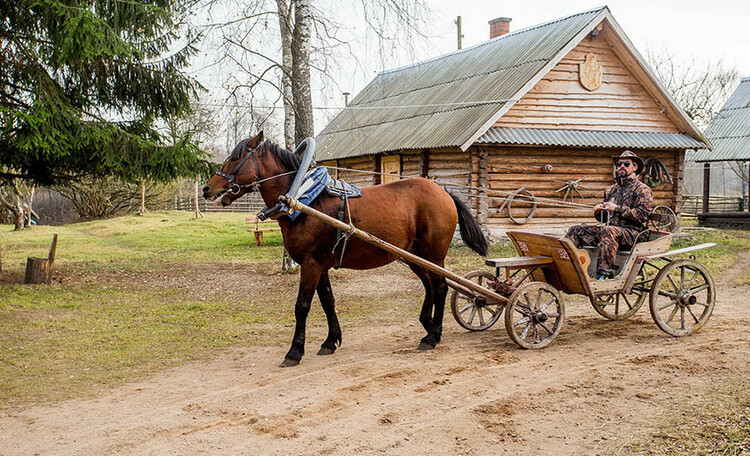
524 304
670 301
465 308
620 306
531 214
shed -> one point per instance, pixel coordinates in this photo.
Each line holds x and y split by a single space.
536 108
729 132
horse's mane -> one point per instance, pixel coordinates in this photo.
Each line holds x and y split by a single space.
288 159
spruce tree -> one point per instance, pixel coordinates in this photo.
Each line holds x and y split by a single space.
84 86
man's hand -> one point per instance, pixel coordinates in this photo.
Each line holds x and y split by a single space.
606 206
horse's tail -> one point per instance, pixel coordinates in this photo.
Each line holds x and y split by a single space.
470 230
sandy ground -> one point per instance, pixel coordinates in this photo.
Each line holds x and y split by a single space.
598 387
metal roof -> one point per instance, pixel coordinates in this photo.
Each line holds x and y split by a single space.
443 101
575 138
729 132
453 99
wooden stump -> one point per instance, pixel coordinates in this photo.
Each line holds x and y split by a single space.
39 270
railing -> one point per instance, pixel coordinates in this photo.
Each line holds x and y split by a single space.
694 204
249 202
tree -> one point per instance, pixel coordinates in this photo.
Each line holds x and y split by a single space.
700 88
85 85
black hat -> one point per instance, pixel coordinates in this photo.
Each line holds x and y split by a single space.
629 155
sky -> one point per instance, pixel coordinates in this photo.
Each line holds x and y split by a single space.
701 28
690 30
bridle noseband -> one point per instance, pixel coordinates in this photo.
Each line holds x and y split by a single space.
235 188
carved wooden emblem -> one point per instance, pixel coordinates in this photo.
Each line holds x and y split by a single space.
590 72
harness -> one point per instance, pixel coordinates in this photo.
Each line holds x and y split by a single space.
235 188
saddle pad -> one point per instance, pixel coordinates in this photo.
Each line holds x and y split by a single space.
317 180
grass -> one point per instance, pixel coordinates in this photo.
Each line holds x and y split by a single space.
715 422
134 295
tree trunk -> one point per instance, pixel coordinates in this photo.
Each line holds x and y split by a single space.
301 91
287 64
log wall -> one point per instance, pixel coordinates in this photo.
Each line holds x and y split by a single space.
510 167
559 101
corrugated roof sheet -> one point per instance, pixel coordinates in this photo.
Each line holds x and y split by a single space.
574 138
442 102
729 132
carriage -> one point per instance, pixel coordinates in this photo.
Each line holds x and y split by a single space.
681 292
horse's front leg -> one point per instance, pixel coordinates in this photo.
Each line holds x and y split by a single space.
325 294
309 277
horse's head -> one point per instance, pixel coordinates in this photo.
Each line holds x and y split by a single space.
238 174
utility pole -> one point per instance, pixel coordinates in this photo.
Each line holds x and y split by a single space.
459 36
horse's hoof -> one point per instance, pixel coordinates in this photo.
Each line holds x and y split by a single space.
425 346
289 362
326 351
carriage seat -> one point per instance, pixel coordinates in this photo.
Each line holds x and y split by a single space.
624 253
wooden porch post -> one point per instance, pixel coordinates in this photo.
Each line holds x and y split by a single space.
482 184
706 185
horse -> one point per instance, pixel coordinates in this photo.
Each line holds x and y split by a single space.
414 214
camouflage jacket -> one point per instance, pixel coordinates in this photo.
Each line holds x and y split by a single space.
633 199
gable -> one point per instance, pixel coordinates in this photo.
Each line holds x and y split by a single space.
560 101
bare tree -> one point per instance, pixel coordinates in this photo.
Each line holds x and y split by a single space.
16 197
700 87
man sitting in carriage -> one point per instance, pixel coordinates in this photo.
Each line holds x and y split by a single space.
624 212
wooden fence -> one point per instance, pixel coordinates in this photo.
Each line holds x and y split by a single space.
249 202
694 204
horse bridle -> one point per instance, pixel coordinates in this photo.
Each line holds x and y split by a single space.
235 188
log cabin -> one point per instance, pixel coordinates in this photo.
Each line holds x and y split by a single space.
542 108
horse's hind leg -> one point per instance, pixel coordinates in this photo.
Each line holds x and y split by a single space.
426 315
325 294
309 277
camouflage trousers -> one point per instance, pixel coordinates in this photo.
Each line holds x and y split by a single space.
607 238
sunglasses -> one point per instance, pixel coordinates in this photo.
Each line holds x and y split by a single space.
623 163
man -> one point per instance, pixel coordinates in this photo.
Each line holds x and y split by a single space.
625 210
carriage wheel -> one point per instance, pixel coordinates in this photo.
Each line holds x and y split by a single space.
620 306
682 297
535 315
474 312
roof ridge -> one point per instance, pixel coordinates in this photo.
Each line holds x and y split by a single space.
490 41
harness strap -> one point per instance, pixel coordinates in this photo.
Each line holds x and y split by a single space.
342 238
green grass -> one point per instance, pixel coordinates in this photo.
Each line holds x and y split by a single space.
134 295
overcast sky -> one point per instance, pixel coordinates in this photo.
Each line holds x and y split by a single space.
701 28
706 31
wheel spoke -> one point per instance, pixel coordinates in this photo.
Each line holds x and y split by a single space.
698 289
492 312
546 328
526 330
552 315
538 298
671 303
682 318
546 304
471 315
536 334
674 312
468 306
674 285
617 304
667 293
690 282
692 314
682 278
704 304
522 321
481 316
625 298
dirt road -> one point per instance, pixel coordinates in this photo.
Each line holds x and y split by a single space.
598 387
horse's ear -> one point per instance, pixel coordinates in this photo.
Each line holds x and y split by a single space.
256 140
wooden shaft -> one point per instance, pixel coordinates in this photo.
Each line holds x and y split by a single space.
408 256
706 185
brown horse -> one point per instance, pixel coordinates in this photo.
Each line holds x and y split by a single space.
414 214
